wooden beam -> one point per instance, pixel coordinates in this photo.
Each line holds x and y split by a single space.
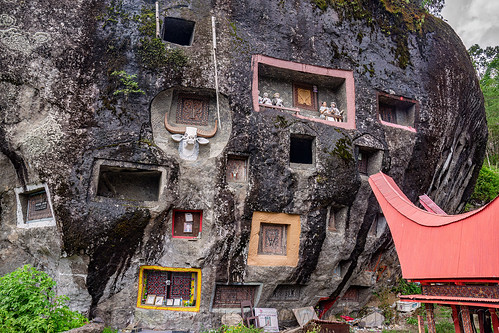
455 319
465 316
495 320
430 318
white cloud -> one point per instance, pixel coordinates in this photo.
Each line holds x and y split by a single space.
475 21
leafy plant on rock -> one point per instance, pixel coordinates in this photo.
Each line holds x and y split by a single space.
28 303
407 288
128 81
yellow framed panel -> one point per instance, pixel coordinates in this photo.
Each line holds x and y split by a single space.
170 308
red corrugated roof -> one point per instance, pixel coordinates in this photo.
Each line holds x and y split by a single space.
433 246
482 302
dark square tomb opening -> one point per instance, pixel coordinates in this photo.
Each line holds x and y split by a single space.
301 150
178 31
369 160
128 183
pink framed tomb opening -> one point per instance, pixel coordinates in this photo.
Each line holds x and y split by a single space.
303 89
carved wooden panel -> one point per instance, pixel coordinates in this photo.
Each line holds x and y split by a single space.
272 239
230 296
352 294
286 292
38 207
304 96
181 285
192 110
186 223
237 169
362 162
474 291
156 283
388 113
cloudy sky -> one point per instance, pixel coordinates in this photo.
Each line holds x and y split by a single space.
475 21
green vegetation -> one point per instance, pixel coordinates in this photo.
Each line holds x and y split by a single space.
443 319
114 13
240 328
152 51
486 62
385 306
411 321
130 86
406 288
28 303
486 188
109 330
342 150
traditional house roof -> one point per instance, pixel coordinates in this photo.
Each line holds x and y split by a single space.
436 246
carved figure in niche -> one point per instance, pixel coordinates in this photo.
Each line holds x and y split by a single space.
334 109
188 147
277 101
266 100
189 139
324 110
336 112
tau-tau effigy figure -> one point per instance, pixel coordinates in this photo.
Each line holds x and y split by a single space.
266 100
323 110
277 101
260 98
334 110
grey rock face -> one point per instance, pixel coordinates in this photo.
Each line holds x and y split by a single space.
62 124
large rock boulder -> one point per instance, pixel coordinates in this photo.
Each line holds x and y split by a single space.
75 128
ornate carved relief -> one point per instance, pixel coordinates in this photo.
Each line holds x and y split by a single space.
192 110
230 296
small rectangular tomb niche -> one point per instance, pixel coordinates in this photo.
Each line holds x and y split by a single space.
274 239
237 169
378 226
397 110
129 182
286 292
310 92
336 218
230 296
355 294
301 150
187 223
369 160
34 208
165 288
178 31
